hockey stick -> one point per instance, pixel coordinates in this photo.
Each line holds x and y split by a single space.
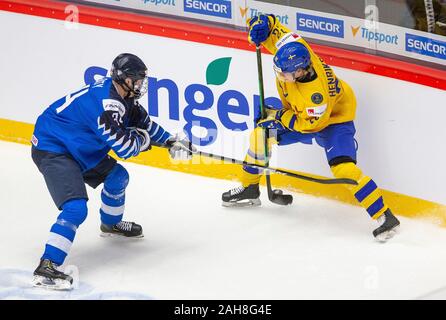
276 196
279 171
274 170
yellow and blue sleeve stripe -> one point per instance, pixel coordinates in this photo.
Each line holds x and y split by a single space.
288 118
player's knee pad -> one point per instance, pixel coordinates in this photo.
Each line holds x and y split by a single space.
117 180
74 211
347 170
257 140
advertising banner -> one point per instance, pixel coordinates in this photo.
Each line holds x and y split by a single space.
368 33
211 93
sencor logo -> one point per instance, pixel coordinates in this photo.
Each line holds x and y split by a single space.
315 24
217 8
426 46
379 37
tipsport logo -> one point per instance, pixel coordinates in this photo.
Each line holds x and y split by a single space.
371 35
199 98
216 8
320 25
160 2
247 13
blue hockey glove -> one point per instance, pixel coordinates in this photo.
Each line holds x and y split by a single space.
259 29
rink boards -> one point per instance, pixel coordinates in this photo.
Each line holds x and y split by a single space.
206 84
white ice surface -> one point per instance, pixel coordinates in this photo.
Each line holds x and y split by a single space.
196 249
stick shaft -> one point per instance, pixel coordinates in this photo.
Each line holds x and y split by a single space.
262 112
279 171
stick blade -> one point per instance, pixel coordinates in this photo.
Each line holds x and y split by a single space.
279 198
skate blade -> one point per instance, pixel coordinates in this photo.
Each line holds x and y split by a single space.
248 203
57 284
383 237
115 235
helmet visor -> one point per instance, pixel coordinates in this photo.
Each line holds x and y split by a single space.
140 87
289 76
285 76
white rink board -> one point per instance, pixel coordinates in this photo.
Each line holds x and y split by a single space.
399 146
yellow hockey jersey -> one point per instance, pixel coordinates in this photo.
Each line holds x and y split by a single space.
314 105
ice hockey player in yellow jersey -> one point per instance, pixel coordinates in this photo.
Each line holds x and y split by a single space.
316 105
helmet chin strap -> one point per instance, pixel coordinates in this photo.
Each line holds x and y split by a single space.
129 90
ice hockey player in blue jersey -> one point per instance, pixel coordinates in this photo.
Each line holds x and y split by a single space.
70 146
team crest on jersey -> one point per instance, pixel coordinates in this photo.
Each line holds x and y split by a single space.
289 37
317 98
317 111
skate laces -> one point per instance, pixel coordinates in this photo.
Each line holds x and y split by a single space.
124 225
237 190
48 265
52 267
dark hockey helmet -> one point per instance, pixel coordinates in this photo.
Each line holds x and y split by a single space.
127 65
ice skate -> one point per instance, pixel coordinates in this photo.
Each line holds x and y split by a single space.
388 226
47 276
242 197
122 229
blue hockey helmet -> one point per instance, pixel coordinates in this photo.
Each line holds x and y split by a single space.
289 58
127 65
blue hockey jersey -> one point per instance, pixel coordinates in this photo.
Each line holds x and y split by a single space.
89 122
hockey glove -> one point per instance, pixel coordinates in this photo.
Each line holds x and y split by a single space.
259 28
180 149
272 121
259 116
144 138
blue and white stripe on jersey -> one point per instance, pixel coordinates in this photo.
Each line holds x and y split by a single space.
157 133
123 142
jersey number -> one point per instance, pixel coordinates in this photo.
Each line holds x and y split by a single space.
70 98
